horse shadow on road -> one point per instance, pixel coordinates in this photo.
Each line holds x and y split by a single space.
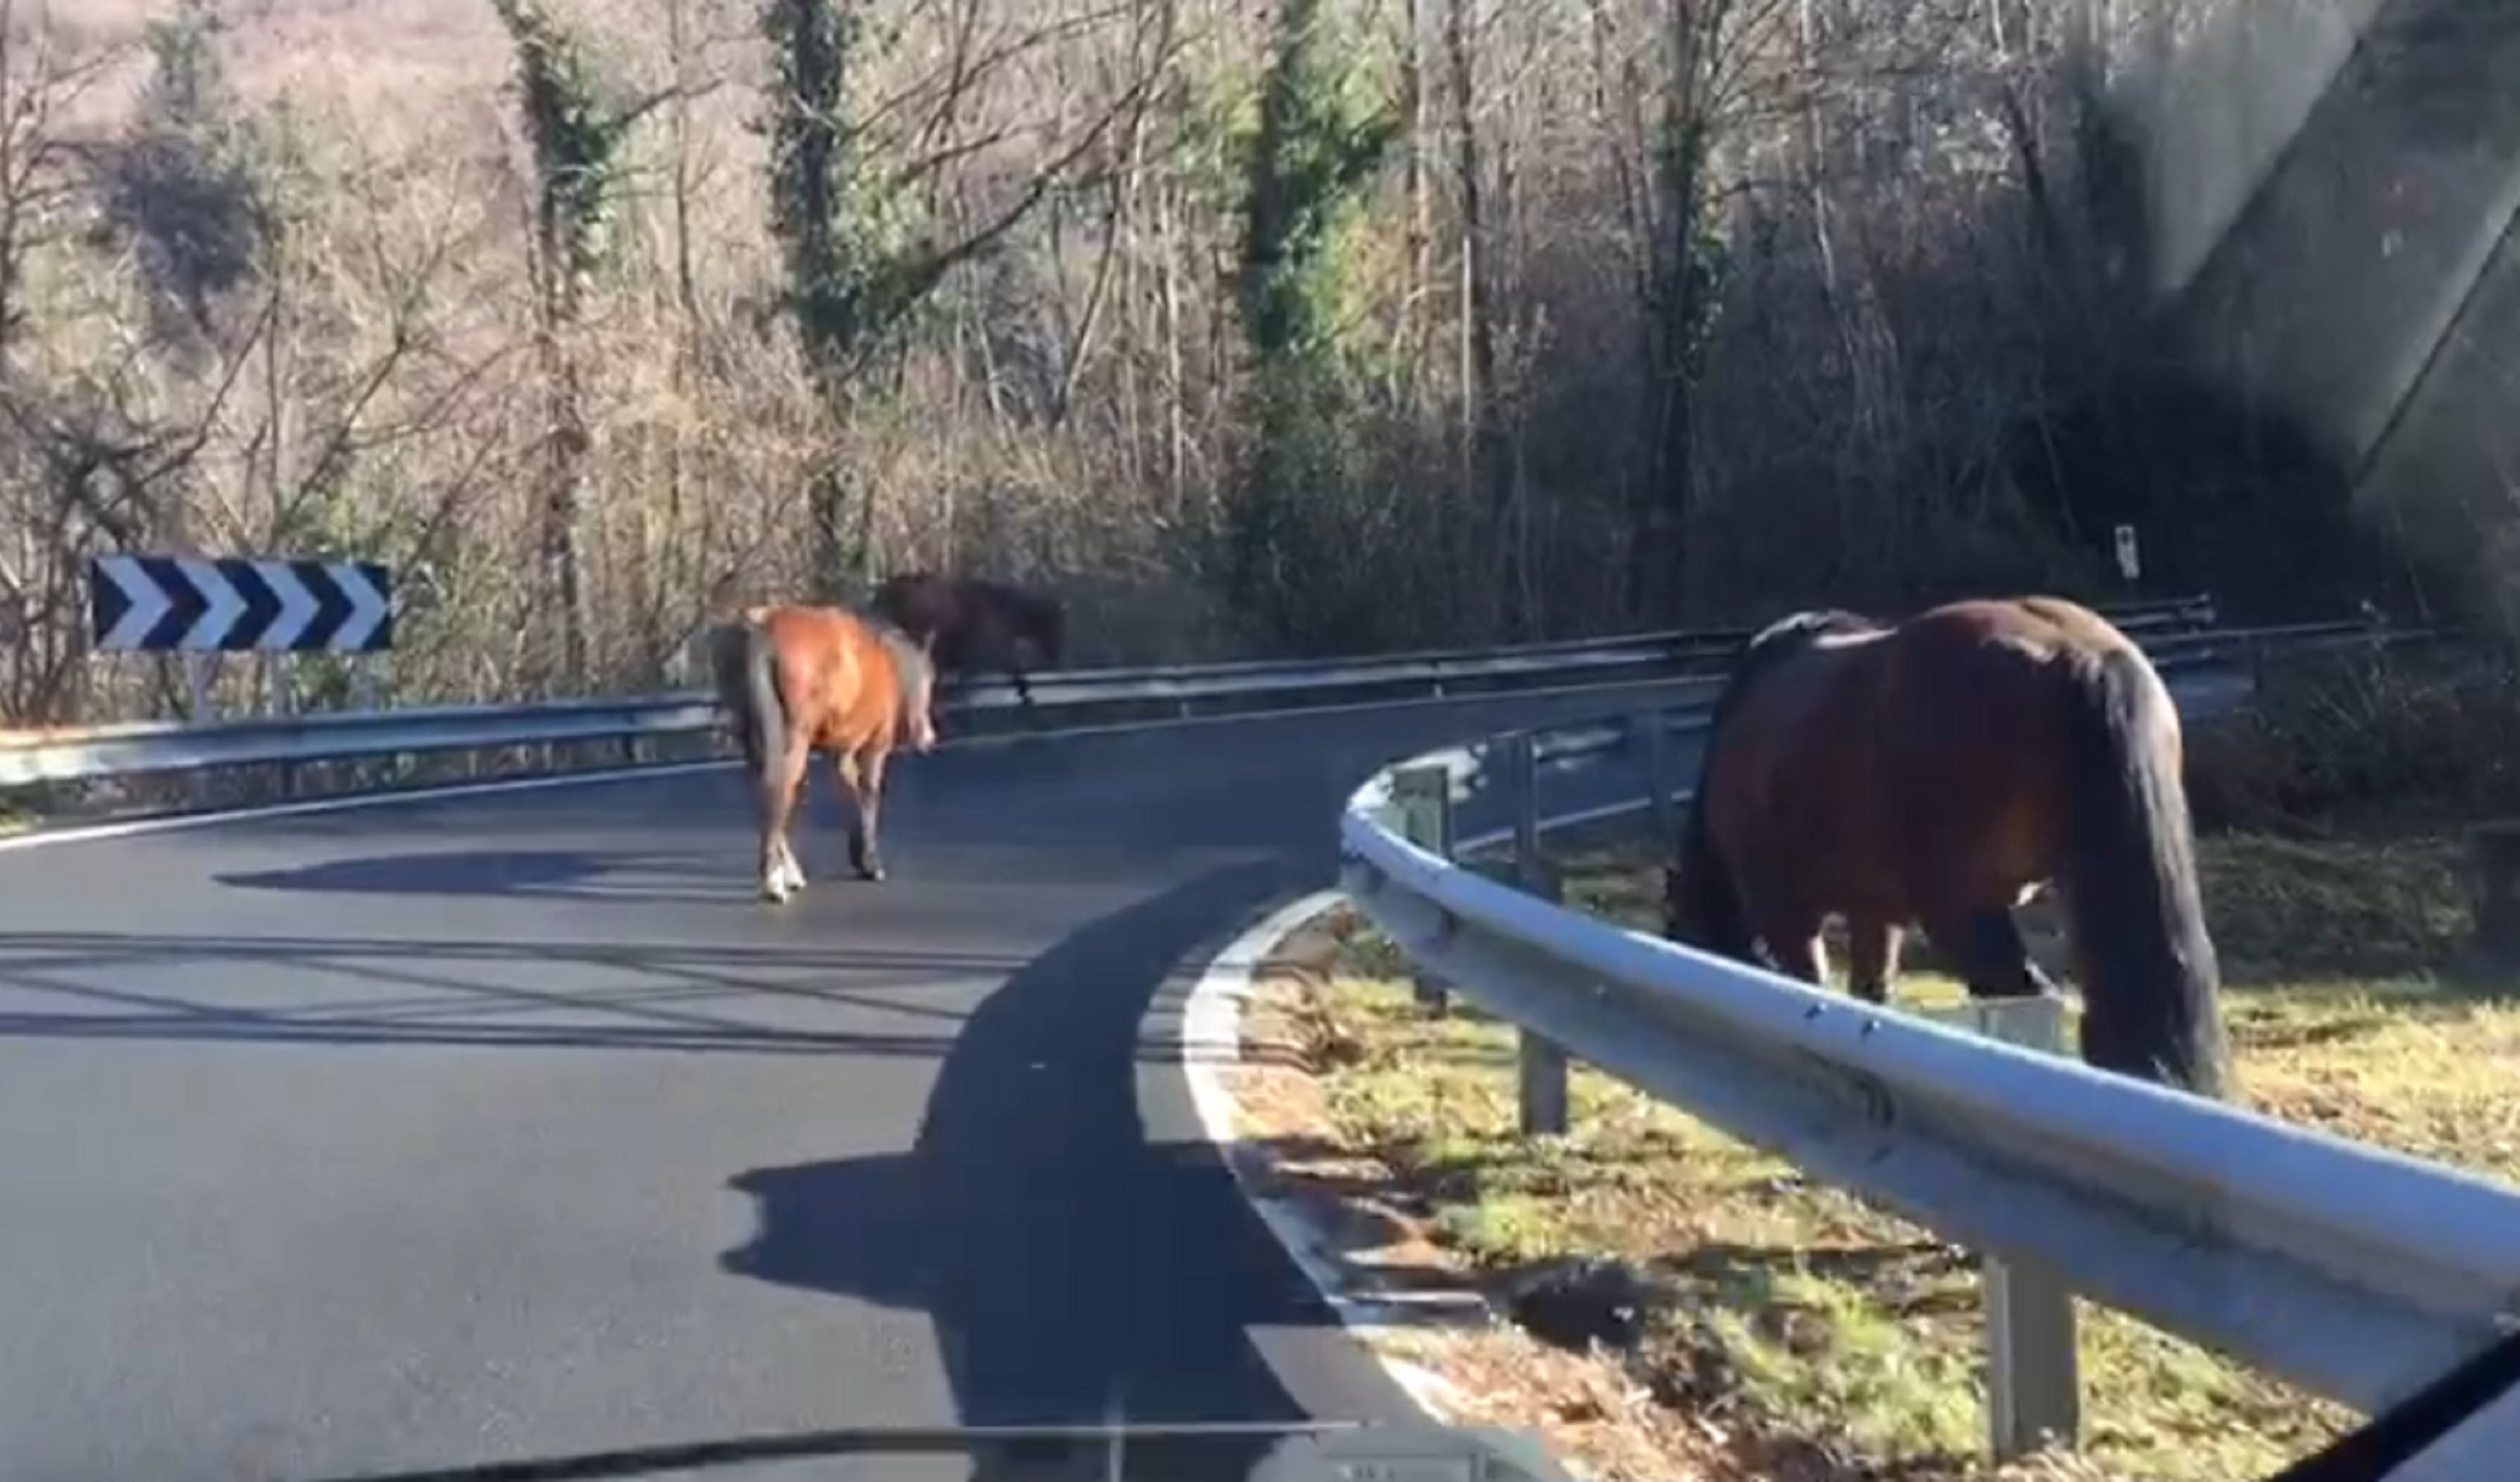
727 876
569 874
1072 1264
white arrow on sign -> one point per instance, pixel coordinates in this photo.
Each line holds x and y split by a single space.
146 603
296 606
368 610
221 605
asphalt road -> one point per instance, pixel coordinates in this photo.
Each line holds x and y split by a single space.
482 1129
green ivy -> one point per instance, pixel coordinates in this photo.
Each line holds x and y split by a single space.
859 268
1316 146
1316 137
577 122
190 182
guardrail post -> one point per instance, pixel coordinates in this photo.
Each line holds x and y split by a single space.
284 702
1540 1093
1422 811
2033 1384
1653 742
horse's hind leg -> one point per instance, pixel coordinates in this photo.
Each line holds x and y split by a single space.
1871 958
1793 942
862 779
781 875
1994 961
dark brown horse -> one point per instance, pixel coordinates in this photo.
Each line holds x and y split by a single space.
795 679
970 623
1937 771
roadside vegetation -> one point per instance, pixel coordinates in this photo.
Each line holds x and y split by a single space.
1327 324
1787 1329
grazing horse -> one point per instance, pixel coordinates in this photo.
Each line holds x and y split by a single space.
970 623
793 679
1937 771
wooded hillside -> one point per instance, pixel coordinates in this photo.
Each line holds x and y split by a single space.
1321 325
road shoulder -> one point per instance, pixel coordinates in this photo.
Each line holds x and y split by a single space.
1259 1045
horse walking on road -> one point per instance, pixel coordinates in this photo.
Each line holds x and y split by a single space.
796 679
1937 771
971 623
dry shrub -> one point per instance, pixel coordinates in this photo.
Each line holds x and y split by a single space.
2330 909
1072 408
2354 738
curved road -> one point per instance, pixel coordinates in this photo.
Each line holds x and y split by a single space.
460 1131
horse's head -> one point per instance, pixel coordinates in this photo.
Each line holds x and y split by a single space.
911 601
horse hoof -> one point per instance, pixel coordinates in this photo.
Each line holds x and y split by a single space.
776 892
871 873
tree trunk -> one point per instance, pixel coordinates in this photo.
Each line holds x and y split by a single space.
1658 564
1483 485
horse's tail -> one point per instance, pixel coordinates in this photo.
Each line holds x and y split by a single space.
2149 977
747 687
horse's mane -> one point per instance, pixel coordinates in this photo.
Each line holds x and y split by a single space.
910 660
1700 898
1809 626
1041 606
1792 634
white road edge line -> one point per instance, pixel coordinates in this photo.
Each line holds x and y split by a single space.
1211 1042
1211 1038
416 796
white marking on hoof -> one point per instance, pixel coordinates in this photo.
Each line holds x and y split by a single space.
774 889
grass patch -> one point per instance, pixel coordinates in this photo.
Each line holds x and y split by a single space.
1821 1337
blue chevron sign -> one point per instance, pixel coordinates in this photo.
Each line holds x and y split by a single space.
201 604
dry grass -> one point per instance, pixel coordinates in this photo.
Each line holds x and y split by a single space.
1799 1333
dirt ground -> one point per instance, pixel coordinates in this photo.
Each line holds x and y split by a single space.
1783 1329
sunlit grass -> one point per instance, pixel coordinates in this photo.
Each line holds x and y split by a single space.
1797 1311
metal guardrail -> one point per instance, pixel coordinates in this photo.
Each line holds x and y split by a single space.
2351 1271
173 746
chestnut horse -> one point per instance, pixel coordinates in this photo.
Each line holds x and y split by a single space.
1937 771
794 678
970 623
